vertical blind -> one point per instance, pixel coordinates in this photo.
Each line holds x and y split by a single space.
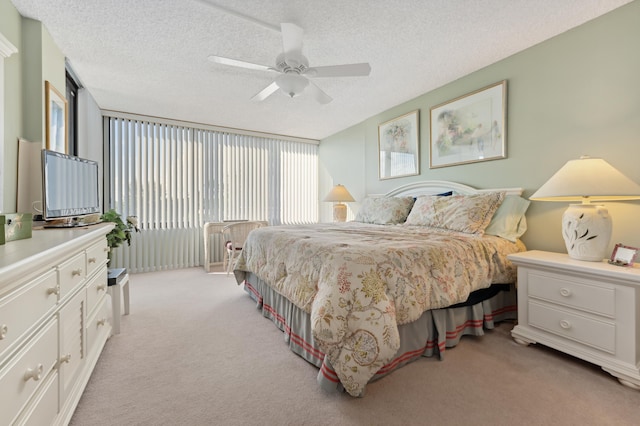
175 178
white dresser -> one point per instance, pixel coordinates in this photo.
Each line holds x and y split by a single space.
54 322
590 310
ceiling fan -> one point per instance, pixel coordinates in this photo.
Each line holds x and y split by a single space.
293 68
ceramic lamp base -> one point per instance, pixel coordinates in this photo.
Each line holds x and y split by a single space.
339 212
586 229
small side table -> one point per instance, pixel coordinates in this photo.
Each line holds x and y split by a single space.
118 278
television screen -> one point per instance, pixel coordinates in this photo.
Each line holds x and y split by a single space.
69 186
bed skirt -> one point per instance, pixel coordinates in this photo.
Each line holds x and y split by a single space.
430 335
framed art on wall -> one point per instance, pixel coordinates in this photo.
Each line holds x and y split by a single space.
55 119
470 128
398 147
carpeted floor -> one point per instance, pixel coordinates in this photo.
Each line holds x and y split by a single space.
195 351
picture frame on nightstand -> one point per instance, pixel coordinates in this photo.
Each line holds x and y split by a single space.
623 255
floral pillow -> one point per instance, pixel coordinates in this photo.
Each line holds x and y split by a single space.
384 210
463 213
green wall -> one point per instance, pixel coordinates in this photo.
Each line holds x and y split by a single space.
38 59
577 93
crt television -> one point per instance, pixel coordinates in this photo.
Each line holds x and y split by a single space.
69 186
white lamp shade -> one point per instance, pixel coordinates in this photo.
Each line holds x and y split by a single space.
339 194
586 228
588 179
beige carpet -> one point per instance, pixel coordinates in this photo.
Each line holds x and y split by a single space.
195 351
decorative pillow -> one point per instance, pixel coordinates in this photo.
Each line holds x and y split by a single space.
509 221
384 210
463 213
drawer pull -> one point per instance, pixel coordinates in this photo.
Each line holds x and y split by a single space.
565 292
76 272
565 324
66 358
4 329
102 321
54 290
101 287
107 249
92 260
34 373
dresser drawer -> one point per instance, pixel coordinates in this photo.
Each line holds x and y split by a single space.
44 406
96 289
23 308
98 325
71 273
96 256
573 293
20 379
572 325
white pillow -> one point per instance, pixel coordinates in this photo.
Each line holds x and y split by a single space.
509 221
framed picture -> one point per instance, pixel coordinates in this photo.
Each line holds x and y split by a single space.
623 255
398 143
470 128
55 119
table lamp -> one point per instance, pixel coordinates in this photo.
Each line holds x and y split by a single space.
586 227
338 195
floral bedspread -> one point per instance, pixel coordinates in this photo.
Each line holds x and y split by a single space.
360 281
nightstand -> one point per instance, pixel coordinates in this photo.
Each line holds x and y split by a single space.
586 309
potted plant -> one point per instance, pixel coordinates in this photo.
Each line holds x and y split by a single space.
122 231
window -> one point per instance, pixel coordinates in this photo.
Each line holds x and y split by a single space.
175 178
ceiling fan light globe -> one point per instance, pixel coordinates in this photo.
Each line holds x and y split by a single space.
292 84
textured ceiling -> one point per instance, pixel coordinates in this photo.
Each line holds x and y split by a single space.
150 56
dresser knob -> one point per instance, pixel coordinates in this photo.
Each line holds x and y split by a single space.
66 358
101 287
565 324
102 321
76 272
4 329
565 292
92 260
34 373
54 290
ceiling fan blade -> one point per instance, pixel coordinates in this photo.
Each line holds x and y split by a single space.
292 43
346 70
237 63
317 93
266 92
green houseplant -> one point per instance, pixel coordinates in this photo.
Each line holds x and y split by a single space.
123 229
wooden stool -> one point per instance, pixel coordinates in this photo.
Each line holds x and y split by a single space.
118 278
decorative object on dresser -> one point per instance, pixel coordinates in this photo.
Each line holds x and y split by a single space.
54 321
339 195
469 128
623 255
586 227
17 226
586 309
122 230
399 146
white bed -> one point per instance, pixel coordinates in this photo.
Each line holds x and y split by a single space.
362 299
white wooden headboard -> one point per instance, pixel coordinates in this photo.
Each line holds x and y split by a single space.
432 187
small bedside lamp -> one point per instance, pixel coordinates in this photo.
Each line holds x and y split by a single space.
339 194
586 227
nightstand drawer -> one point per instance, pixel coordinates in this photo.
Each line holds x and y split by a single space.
558 289
589 331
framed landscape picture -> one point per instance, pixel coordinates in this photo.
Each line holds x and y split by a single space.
398 146
470 128
55 118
